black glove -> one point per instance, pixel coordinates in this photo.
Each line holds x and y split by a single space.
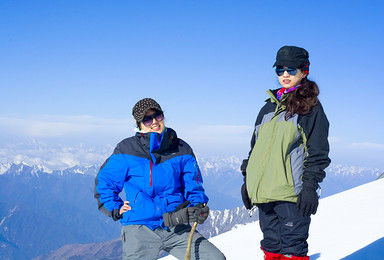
308 201
198 213
178 216
244 195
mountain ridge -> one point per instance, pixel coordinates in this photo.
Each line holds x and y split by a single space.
62 201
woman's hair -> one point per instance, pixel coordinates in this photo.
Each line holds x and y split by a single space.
303 98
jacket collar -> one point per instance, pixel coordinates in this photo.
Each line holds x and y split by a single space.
156 144
273 98
281 105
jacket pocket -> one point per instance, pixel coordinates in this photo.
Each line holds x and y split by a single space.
173 201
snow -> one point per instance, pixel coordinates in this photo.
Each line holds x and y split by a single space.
344 223
4 167
338 169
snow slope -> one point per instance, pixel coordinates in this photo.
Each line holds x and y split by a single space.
344 224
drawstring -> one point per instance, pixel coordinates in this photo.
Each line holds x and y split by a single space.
252 210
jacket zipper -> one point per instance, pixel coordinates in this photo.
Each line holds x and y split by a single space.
198 176
150 173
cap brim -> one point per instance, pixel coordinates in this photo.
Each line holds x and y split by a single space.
287 63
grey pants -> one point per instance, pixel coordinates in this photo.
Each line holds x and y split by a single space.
141 242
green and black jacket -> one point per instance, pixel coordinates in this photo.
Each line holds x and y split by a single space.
286 153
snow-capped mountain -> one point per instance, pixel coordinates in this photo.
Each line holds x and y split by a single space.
54 157
341 177
219 222
22 168
37 197
42 205
218 165
19 168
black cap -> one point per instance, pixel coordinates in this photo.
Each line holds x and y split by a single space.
142 106
291 56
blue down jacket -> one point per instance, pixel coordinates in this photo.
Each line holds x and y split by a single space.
157 172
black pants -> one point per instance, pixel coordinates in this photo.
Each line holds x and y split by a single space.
284 230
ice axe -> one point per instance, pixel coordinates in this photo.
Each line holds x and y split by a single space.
190 237
188 252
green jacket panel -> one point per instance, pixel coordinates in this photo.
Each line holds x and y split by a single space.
270 163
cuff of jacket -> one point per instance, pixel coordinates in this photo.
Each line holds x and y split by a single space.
116 214
310 184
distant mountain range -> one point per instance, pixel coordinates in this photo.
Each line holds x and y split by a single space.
40 210
56 208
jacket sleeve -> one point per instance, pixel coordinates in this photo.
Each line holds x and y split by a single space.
315 127
192 182
109 182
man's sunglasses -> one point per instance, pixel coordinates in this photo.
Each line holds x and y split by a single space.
148 120
280 71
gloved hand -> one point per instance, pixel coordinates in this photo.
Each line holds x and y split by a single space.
198 213
244 195
307 201
178 216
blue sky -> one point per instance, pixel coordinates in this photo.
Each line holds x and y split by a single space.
70 71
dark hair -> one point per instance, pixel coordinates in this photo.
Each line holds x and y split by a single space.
302 99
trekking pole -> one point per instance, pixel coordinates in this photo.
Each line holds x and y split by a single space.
188 252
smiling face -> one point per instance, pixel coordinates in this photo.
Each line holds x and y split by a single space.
156 126
288 81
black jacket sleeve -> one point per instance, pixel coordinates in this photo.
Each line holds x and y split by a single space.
315 127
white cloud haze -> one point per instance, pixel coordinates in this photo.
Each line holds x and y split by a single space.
35 138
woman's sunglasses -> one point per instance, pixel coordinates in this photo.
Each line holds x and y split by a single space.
291 71
148 120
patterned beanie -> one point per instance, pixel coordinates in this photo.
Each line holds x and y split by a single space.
142 106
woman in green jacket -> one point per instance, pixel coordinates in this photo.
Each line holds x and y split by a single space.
289 152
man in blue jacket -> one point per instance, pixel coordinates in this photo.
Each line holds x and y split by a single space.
163 188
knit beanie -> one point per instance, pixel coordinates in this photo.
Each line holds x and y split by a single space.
142 106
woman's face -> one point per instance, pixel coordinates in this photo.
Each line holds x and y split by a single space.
157 124
288 81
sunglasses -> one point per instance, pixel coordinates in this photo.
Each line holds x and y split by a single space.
147 120
291 71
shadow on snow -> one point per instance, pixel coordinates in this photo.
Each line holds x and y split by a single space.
374 250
